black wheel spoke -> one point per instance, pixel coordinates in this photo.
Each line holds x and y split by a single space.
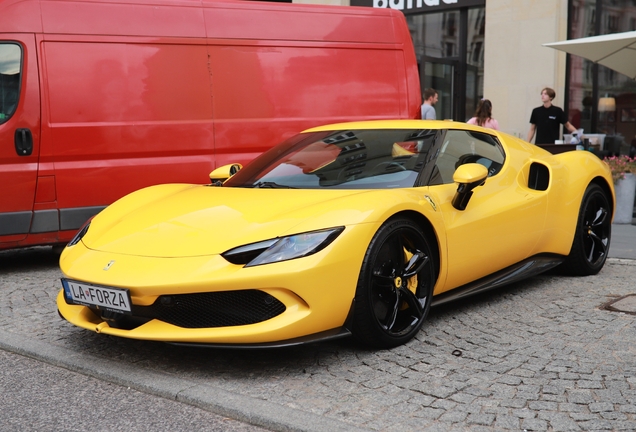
590 256
600 217
415 304
397 249
597 241
392 313
415 264
387 266
596 233
415 308
384 281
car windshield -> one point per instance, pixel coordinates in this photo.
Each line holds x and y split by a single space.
353 159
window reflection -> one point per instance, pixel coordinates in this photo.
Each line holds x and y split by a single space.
10 61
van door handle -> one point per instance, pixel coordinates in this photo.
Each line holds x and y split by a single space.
23 142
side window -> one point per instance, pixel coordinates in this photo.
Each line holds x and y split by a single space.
10 71
460 147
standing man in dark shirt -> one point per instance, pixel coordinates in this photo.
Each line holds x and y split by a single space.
547 119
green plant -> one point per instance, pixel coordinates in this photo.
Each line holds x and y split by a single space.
620 165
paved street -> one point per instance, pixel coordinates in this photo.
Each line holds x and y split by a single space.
537 355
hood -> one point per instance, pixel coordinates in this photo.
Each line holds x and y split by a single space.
203 220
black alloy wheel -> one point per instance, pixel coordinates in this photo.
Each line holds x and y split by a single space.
593 233
395 286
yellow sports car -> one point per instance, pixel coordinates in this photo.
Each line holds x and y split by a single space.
347 229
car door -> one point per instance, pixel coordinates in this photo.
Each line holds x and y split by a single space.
503 219
19 133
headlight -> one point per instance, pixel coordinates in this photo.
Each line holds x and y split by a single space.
81 233
283 248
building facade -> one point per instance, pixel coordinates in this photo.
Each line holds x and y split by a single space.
472 49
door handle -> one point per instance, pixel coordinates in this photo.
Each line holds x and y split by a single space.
23 142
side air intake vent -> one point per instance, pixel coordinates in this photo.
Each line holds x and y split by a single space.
539 177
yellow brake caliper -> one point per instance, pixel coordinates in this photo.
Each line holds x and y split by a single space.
411 284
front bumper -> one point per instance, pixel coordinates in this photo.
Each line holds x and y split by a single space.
315 292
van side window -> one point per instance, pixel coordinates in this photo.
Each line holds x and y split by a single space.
462 147
10 71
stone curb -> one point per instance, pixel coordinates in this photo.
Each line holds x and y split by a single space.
622 261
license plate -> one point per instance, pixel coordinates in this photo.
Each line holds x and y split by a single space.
112 299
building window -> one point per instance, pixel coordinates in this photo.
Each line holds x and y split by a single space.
450 24
476 52
588 83
449 47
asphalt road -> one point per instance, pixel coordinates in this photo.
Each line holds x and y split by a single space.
36 396
538 355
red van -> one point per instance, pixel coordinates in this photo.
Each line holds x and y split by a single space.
99 98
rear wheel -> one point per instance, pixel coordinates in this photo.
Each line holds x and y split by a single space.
395 286
592 237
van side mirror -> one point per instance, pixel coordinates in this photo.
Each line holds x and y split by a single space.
219 175
468 177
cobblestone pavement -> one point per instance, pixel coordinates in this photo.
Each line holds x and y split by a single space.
537 355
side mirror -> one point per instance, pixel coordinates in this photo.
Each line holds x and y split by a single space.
468 176
219 175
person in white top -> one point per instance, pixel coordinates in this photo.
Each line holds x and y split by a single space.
483 115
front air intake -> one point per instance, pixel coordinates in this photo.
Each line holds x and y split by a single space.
203 310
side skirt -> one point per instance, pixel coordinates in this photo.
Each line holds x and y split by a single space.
522 270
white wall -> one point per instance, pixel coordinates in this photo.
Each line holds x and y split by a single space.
516 65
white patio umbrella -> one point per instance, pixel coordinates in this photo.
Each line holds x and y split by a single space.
616 51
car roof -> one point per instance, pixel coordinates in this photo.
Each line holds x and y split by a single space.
400 124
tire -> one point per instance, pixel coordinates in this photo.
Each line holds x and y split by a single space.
395 286
592 236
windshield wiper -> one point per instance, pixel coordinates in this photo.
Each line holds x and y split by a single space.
271 185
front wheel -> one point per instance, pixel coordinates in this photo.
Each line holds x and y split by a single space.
395 286
593 233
